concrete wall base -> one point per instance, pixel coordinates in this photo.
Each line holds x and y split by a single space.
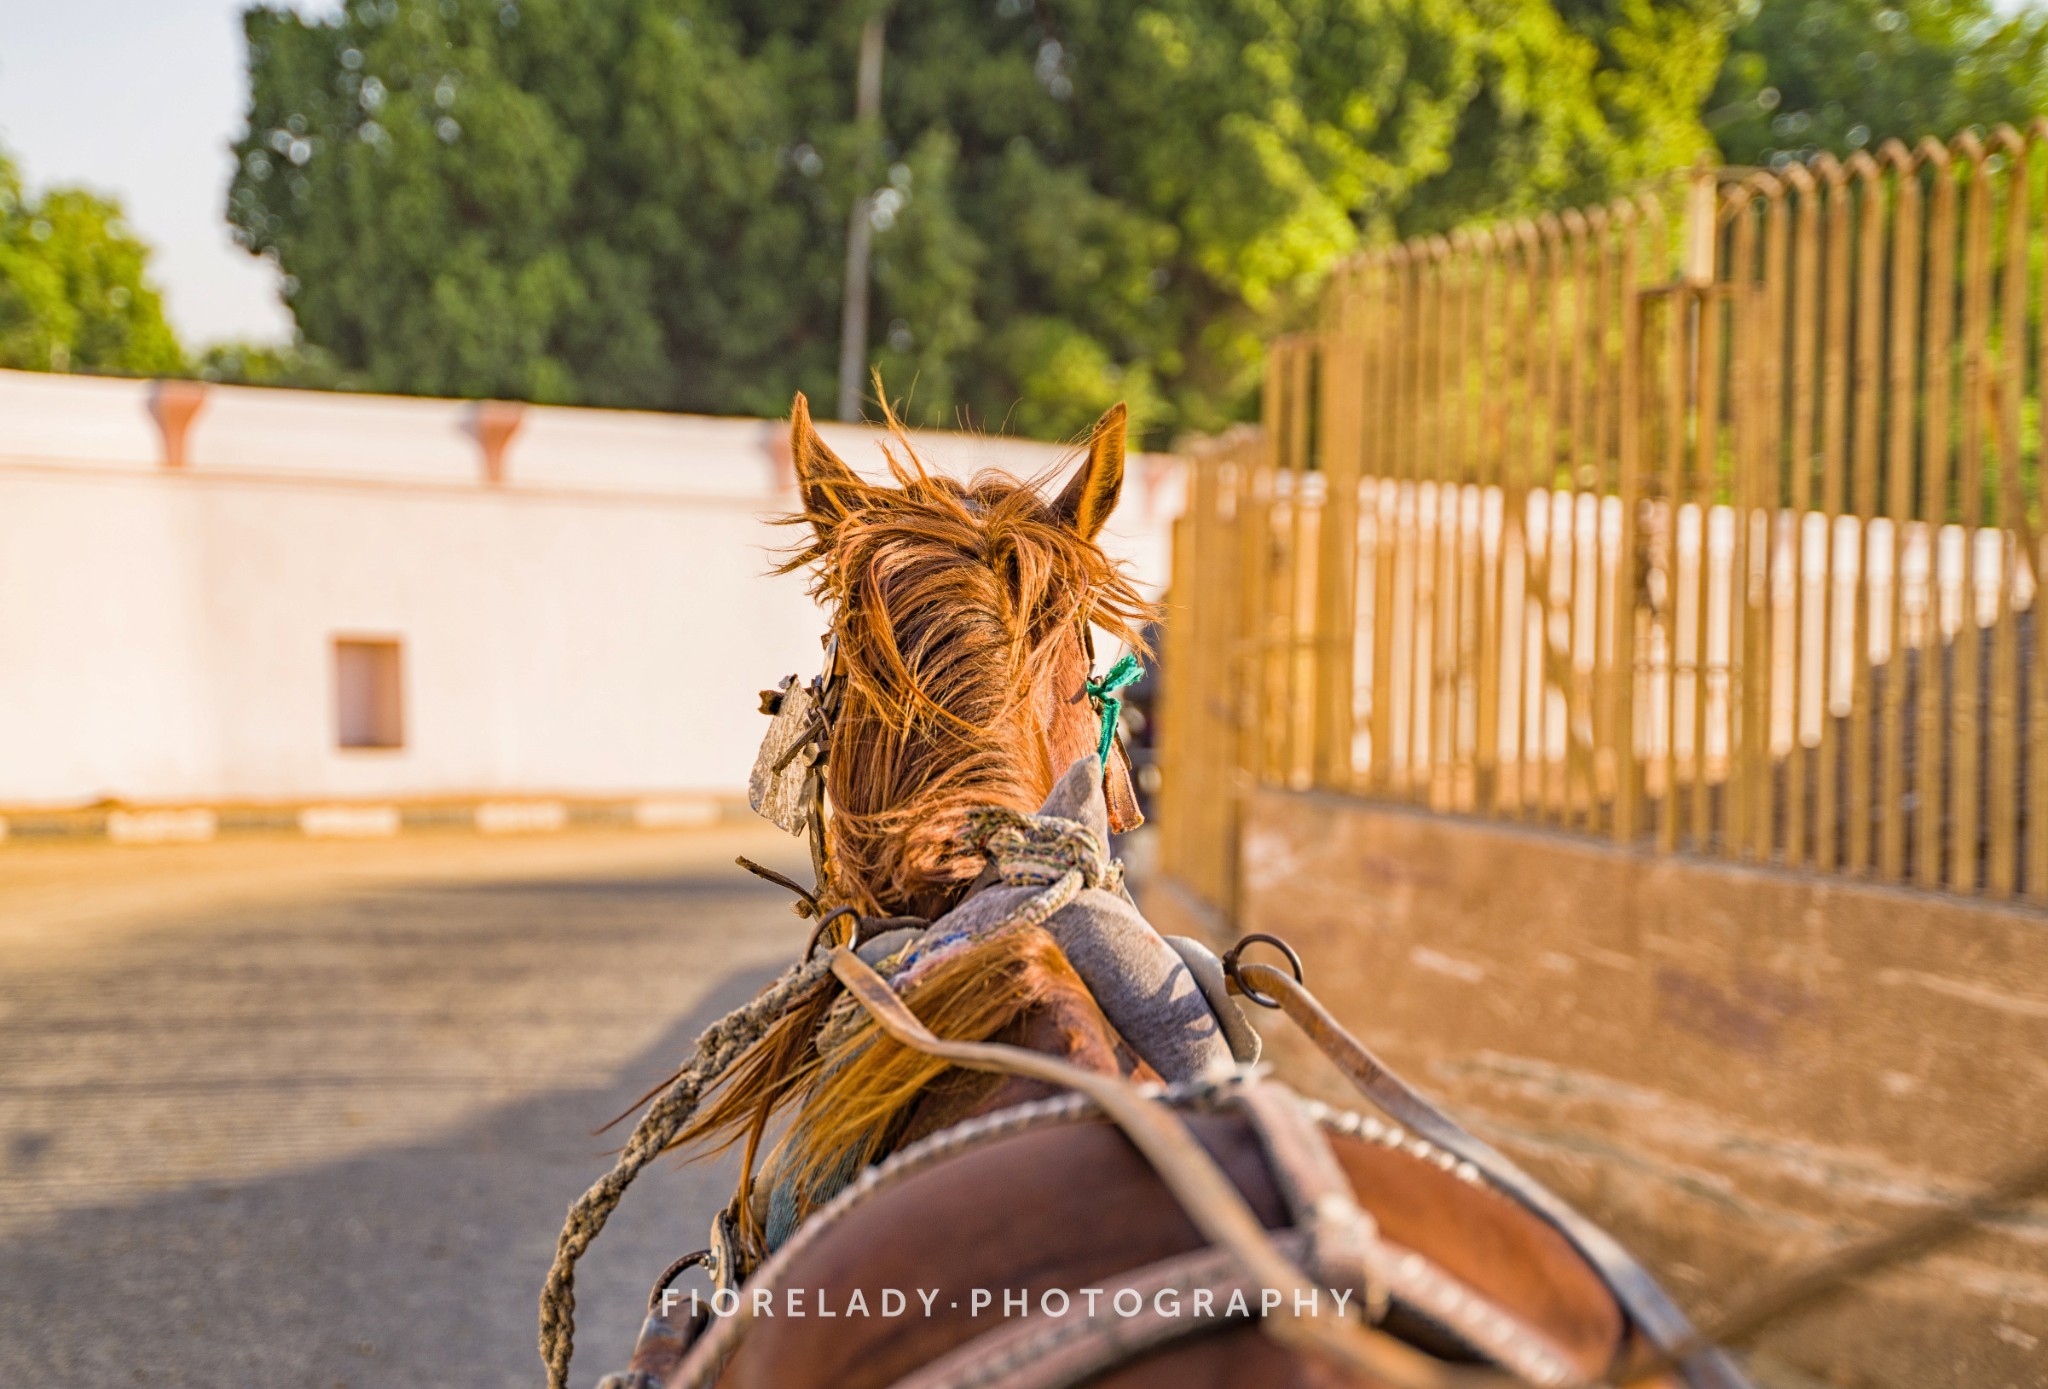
1732 1068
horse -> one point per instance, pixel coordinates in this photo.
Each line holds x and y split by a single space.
992 1077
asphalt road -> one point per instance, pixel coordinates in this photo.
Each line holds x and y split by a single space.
309 1114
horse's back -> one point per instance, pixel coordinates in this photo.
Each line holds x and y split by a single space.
1065 1207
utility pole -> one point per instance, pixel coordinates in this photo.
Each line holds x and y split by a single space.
853 323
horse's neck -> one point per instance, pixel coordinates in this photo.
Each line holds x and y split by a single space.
1009 773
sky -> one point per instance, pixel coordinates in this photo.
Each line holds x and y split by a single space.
139 99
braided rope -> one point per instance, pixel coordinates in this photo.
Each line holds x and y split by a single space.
718 1047
1044 851
1032 850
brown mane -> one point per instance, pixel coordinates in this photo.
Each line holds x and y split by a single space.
953 604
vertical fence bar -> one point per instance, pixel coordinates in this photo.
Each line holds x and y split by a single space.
1189 643
1966 860
1467 407
1298 754
1539 481
1805 360
1270 585
1766 497
1173 806
1276 618
1676 394
1827 843
1906 267
2036 870
1491 413
1612 226
1254 526
1380 443
1387 525
1867 387
1746 618
1254 513
1637 227
1235 620
1517 260
1290 487
1368 532
1401 587
1417 469
1571 639
1336 601
1284 559
1443 557
2003 413
1706 481
1935 463
1450 639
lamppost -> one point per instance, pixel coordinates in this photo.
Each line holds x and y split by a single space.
853 322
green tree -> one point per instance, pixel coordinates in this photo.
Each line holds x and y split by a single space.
74 287
643 202
1571 104
1809 75
272 364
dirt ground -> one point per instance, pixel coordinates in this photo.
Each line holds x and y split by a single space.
309 1114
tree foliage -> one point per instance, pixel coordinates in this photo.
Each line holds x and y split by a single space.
644 202
74 287
272 364
1809 75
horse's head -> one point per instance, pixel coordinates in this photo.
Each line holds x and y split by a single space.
963 615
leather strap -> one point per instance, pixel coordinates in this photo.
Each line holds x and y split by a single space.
1041 1351
1641 1297
1056 1352
1345 1249
1343 1238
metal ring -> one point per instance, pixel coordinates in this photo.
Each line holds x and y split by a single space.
825 924
673 1272
1230 959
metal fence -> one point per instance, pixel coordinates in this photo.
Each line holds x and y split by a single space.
1705 521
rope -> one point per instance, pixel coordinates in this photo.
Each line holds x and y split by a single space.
718 1047
1126 672
1039 850
1059 856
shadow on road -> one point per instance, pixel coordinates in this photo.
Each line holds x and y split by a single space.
417 1265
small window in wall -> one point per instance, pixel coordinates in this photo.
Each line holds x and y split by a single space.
369 693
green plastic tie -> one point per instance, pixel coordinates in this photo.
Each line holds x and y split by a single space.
1127 671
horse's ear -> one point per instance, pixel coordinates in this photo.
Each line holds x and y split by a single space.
1091 495
826 484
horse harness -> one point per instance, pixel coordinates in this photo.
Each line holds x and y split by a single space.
1329 1242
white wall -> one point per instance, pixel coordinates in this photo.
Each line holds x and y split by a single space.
597 624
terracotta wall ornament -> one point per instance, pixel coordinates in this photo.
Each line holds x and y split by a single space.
494 423
174 405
